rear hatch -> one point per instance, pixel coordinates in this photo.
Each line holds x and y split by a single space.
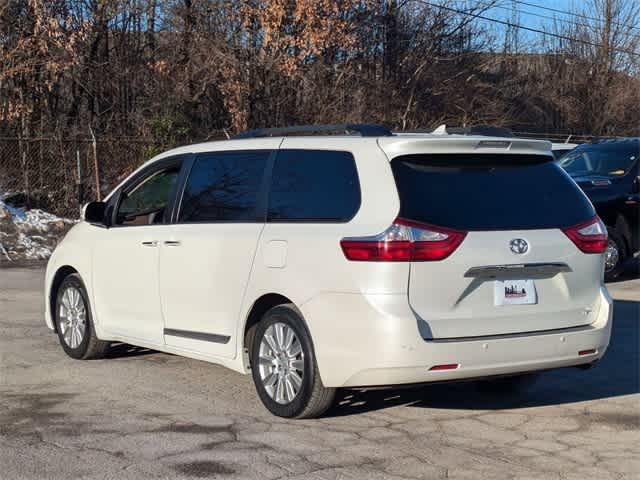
516 271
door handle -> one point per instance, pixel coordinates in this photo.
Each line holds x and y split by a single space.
172 243
152 243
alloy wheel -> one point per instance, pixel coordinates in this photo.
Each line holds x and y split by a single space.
611 256
281 363
72 317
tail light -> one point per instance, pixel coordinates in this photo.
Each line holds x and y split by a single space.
589 237
404 241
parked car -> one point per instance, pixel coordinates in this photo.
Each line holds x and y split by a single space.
560 149
341 261
608 173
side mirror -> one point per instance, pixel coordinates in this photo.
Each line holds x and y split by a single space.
94 213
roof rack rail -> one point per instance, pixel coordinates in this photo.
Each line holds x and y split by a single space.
365 130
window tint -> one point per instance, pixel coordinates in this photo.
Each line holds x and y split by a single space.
146 204
486 192
224 187
605 159
558 154
314 185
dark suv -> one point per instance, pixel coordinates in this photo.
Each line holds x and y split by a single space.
607 172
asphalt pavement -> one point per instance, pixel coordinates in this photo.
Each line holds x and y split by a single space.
144 414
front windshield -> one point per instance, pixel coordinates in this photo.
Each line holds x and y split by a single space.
609 160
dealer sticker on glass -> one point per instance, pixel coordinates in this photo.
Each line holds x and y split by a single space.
514 292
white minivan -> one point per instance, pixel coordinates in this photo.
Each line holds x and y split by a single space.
317 262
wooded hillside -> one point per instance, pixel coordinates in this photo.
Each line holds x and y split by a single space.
181 70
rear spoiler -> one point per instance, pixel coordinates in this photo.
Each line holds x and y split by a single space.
427 144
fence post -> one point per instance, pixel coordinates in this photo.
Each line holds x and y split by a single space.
25 171
41 158
79 182
96 169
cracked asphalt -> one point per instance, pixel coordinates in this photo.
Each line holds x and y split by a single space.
143 414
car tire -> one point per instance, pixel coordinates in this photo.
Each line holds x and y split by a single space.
74 321
515 384
284 368
617 243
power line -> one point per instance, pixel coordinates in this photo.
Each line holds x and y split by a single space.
574 14
517 25
539 15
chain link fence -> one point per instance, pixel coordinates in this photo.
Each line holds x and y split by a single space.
59 175
44 181
558 137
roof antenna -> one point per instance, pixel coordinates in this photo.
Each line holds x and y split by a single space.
441 130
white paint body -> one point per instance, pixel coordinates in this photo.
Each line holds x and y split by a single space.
367 320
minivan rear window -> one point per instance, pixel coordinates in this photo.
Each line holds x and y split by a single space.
488 192
313 186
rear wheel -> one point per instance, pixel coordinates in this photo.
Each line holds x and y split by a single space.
74 322
615 255
284 368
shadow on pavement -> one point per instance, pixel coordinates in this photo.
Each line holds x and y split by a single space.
124 350
618 373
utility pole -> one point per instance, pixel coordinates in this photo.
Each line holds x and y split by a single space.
512 34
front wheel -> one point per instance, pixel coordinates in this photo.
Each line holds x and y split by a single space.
284 368
74 322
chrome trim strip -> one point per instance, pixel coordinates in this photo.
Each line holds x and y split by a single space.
492 271
502 336
207 337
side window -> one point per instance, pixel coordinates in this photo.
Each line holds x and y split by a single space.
224 187
147 202
314 186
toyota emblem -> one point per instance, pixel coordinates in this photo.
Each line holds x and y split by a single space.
519 246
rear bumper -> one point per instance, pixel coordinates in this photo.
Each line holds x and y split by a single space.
373 340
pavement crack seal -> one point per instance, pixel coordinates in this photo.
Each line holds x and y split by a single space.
83 448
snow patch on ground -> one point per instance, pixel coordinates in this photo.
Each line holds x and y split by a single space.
29 234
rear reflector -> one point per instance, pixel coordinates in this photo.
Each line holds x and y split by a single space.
589 351
446 366
589 237
404 241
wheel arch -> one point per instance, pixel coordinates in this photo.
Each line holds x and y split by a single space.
260 306
623 227
61 273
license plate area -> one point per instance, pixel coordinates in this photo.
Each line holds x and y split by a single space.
514 292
